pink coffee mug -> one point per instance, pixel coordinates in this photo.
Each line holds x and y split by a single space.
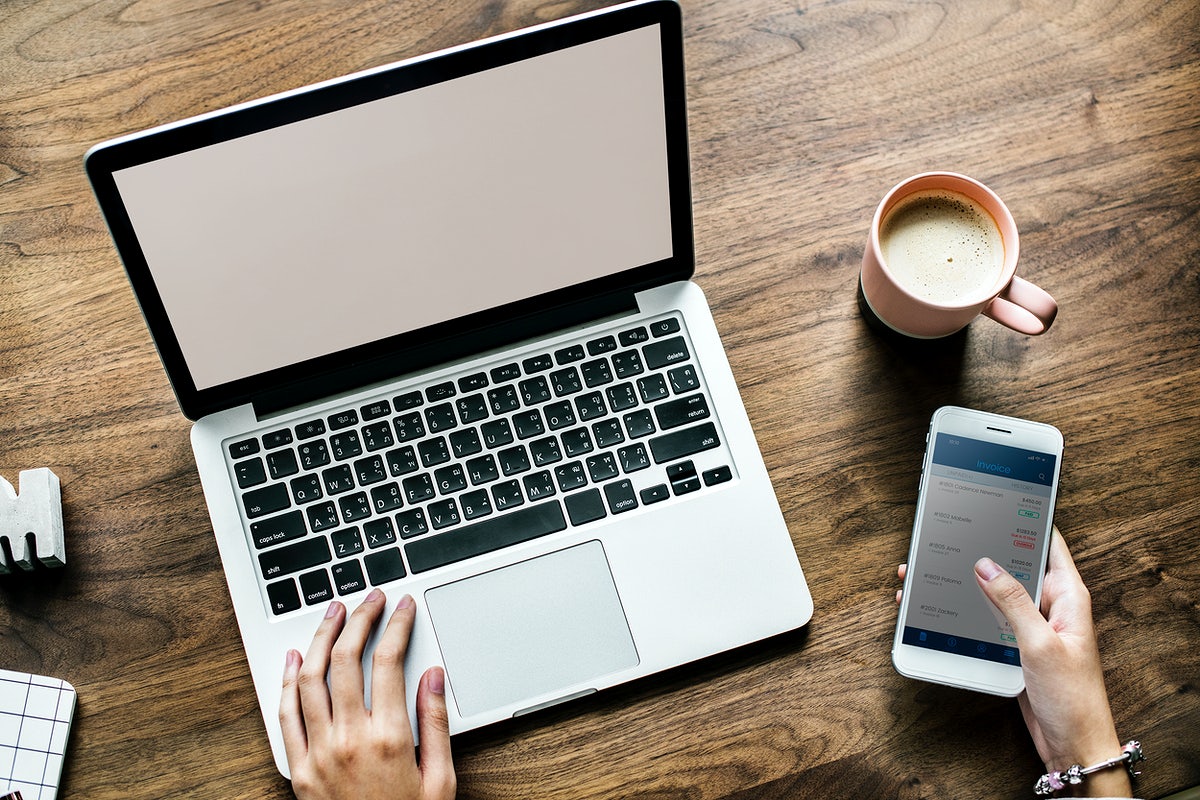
1008 299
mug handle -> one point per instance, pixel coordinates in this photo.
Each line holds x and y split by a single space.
1024 307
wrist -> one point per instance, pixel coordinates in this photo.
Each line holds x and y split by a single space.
1108 777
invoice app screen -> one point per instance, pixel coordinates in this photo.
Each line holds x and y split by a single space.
983 499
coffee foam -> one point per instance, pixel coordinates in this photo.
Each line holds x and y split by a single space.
943 247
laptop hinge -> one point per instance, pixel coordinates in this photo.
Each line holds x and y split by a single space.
409 359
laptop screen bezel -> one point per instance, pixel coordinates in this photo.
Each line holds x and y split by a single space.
380 360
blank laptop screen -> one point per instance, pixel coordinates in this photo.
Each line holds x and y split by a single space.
385 217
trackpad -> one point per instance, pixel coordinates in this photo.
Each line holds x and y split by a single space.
543 625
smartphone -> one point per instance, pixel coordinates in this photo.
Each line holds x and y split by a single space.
988 486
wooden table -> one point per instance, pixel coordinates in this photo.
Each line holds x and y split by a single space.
1084 116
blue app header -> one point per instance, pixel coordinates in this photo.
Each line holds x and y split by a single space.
994 459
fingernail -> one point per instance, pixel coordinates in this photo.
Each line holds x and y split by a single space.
405 601
987 569
332 610
437 681
293 656
374 595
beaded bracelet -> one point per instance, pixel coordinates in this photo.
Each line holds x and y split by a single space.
1051 782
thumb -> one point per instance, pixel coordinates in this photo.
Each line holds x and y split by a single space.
437 765
1008 595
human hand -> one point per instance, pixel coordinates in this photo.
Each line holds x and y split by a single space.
1065 704
339 749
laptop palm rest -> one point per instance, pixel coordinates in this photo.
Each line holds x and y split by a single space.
519 633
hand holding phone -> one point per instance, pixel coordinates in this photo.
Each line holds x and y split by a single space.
987 489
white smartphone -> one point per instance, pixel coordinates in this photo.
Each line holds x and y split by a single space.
988 486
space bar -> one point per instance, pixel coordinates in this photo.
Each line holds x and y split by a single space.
484 537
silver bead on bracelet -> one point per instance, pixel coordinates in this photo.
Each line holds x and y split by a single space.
1051 782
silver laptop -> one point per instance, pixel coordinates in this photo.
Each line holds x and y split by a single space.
435 327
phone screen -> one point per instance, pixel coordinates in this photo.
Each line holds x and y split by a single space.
981 499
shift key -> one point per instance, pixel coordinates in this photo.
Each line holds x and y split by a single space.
684 442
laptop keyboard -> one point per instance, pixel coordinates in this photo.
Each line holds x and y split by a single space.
433 476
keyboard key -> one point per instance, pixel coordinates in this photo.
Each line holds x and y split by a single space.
450 479
307 430
585 507
408 401
301 555
627 364
276 439
576 442
346 542
590 406
380 408
683 379
664 327
633 458
282 464
566 382
343 419
306 489
482 469
639 423
277 530
528 424
513 460
654 494
545 451
408 426
717 475
401 461
682 411
652 388
596 373
621 396
539 363
250 473
559 415
267 500
633 336
569 355
246 447
684 442
534 391
620 496
570 476
472 408
538 485
315 587
434 452
411 523
379 532
313 454
605 344
384 566
683 478
492 534
418 488
496 433
608 432
443 514
440 418
386 498
338 479
508 372
440 391
476 504
503 399
354 507
602 467
465 443
377 436
471 383
369 470
348 577
666 352
283 596
321 517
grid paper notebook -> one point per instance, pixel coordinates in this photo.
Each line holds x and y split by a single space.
35 719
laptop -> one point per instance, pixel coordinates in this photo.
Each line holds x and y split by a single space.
435 327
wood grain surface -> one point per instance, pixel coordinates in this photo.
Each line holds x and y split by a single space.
1084 116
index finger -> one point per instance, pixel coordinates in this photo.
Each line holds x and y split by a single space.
388 700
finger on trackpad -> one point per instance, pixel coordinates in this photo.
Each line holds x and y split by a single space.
517 633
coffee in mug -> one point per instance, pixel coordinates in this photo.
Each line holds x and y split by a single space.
942 250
